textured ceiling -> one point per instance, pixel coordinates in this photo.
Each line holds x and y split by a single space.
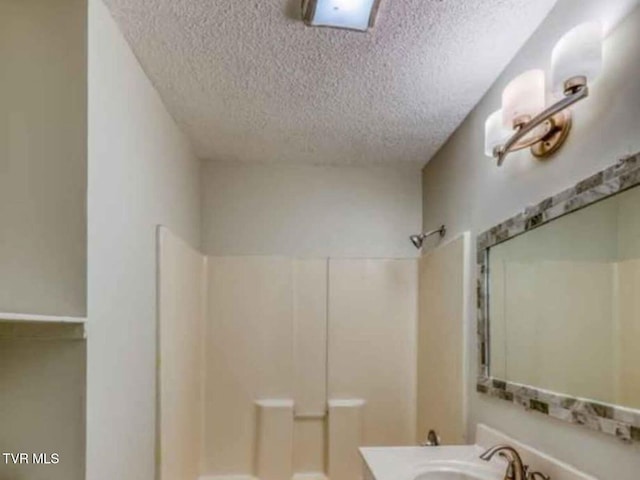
247 81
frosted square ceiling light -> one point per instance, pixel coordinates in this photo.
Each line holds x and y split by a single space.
350 14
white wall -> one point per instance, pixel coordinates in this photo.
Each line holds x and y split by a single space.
43 160
310 210
141 174
465 190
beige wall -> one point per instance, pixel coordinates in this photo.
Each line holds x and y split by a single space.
43 160
181 315
543 303
465 190
43 167
141 174
628 333
628 223
42 407
310 211
628 300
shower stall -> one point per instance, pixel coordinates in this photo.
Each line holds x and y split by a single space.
277 367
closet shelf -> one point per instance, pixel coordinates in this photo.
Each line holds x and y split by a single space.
24 317
41 327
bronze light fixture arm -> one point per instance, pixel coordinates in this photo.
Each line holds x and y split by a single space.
573 94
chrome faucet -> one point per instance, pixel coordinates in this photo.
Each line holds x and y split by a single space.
516 470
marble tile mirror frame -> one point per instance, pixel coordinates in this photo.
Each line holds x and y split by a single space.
624 423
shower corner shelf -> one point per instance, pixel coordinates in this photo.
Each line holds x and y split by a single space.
42 327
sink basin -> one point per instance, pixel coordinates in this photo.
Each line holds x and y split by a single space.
448 475
454 470
433 463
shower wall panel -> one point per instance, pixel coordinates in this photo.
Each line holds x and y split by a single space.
271 322
444 301
372 344
310 326
310 363
181 302
249 354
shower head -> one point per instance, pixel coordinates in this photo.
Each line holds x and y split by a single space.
418 240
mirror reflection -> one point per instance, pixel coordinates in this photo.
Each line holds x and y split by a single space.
564 304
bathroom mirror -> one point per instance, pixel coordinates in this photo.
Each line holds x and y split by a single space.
559 304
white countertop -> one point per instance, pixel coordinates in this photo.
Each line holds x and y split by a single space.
407 463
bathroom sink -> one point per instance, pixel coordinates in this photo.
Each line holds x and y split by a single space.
449 475
432 463
455 470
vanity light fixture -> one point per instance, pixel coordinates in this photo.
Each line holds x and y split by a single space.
523 121
357 15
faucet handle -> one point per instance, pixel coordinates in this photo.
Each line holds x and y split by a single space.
537 476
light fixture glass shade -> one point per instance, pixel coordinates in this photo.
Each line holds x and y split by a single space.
523 98
351 14
577 54
495 133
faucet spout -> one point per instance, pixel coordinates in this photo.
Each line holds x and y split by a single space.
433 439
516 470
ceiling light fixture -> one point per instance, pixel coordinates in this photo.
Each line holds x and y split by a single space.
523 121
350 14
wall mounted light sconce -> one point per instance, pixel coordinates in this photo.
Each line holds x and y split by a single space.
357 15
524 122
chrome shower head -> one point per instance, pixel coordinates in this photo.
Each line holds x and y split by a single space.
418 240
